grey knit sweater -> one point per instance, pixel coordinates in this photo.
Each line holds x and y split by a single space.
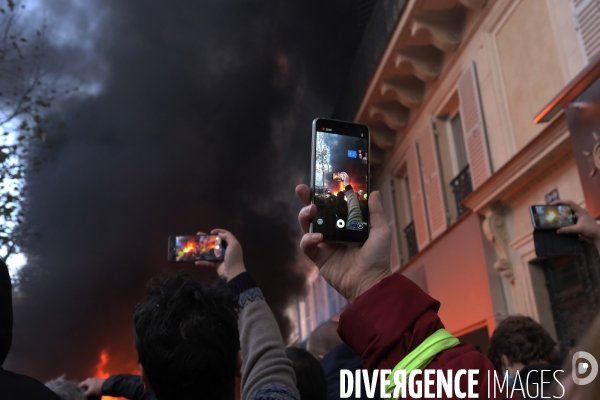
266 372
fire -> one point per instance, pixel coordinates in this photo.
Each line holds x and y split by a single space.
340 188
190 246
102 373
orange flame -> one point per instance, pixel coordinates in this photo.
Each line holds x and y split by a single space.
340 188
100 372
103 374
190 246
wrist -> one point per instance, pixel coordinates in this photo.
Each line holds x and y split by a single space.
234 271
367 284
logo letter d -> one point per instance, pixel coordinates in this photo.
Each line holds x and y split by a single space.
590 362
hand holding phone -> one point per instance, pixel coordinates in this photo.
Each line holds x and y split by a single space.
553 216
196 248
547 221
349 269
585 225
233 262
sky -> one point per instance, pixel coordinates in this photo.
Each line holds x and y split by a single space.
190 115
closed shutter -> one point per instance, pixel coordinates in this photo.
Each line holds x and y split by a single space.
416 197
471 116
587 19
432 182
387 198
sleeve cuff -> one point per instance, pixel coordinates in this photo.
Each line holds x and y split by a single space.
107 387
242 282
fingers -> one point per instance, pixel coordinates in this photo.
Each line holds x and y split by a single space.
226 236
88 387
574 206
569 229
201 234
303 193
376 213
305 215
310 244
207 264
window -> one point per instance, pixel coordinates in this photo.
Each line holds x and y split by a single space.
459 142
407 239
456 180
587 20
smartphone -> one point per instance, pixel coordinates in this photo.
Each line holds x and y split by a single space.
552 216
340 180
196 248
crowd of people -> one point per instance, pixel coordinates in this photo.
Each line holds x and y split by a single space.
193 340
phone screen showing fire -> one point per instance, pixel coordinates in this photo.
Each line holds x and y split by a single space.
554 216
196 248
341 174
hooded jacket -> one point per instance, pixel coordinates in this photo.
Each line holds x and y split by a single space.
391 319
14 386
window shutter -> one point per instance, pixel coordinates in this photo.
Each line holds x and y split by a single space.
587 19
471 116
416 195
390 213
431 181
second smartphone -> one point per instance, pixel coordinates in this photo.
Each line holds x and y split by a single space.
340 180
552 216
196 248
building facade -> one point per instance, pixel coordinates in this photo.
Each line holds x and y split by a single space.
459 159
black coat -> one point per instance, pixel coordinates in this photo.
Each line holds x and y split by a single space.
342 357
14 386
128 386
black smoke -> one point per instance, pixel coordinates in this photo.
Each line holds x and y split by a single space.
194 115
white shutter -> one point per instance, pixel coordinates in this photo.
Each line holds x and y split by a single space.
432 182
389 206
587 20
416 197
471 116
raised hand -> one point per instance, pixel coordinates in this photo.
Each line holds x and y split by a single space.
233 263
351 270
586 226
93 386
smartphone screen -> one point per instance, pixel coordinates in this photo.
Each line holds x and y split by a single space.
196 248
340 180
552 216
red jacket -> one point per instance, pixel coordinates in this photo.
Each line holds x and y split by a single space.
392 318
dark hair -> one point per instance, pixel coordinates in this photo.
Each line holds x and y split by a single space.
522 340
311 381
187 338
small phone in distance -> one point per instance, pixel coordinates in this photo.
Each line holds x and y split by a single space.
340 171
552 216
196 248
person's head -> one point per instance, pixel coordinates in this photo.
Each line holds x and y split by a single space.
311 381
324 339
187 339
65 389
519 341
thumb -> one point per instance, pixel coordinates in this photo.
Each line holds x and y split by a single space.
568 229
376 213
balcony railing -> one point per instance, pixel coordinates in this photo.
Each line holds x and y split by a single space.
462 187
411 240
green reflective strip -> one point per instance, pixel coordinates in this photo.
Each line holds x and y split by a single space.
423 354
